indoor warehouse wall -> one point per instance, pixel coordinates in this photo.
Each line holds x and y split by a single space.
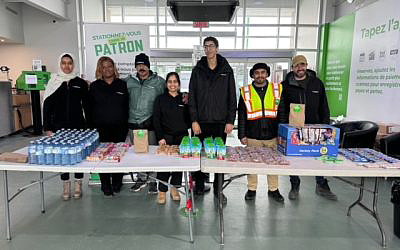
45 39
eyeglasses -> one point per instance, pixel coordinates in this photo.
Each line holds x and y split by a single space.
210 46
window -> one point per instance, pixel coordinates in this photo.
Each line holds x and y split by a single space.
308 11
307 38
114 14
263 24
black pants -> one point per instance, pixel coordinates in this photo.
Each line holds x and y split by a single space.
207 130
176 177
115 133
111 182
65 176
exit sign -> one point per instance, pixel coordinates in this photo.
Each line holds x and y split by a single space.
200 24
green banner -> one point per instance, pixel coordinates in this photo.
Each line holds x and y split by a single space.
335 62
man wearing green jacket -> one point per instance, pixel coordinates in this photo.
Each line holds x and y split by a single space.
143 90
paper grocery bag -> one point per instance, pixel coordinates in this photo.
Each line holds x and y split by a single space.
297 114
141 141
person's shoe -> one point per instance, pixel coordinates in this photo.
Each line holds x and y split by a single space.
323 190
224 199
152 188
78 189
66 190
162 198
108 194
139 185
294 192
175 194
202 190
276 196
250 195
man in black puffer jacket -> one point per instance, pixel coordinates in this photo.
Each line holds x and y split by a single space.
303 86
212 102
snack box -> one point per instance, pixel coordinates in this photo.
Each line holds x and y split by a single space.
310 140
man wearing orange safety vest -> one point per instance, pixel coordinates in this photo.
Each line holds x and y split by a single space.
258 123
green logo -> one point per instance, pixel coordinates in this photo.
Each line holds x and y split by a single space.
141 133
297 108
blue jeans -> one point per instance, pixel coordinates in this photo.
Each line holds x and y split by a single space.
295 180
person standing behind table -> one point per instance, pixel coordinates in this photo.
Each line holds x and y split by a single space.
109 104
258 123
302 86
212 103
65 100
143 90
171 123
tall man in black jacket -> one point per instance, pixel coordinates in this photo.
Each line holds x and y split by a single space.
212 102
258 123
303 86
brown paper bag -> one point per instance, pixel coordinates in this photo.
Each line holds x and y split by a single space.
140 141
297 115
14 157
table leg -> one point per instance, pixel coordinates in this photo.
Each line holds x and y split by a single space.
192 193
7 206
360 197
190 212
41 185
220 208
375 212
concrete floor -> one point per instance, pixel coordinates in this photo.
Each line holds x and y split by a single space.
135 221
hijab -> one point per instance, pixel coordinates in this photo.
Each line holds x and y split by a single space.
58 78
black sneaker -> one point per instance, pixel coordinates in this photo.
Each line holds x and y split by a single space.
108 194
139 185
276 196
152 188
250 195
224 199
323 190
294 192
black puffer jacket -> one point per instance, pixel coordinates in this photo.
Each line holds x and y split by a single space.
313 95
64 108
212 93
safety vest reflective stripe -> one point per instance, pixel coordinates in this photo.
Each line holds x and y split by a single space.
258 114
247 97
277 94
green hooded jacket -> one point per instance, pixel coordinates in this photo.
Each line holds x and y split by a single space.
142 94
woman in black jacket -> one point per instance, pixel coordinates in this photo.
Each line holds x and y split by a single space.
109 106
171 123
65 101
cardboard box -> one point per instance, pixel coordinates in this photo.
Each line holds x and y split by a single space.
26 117
388 128
13 157
21 99
310 140
141 141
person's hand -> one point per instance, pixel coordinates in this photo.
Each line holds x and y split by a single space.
228 128
49 133
162 142
185 98
244 140
196 128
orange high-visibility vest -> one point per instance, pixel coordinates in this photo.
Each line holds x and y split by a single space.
254 105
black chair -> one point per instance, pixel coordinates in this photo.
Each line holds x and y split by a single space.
390 145
357 134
